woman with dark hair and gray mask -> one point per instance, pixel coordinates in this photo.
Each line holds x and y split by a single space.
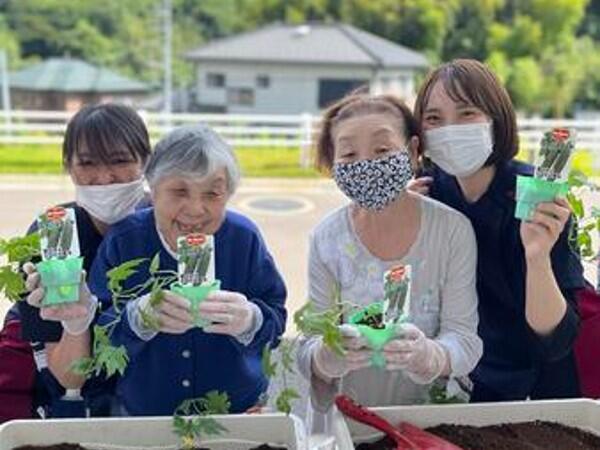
104 151
192 175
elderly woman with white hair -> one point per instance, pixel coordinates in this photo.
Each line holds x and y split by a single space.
192 175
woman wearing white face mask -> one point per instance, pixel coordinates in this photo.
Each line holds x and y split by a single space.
527 275
104 151
371 144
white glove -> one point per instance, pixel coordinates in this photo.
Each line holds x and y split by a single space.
328 365
422 359
231 313
74 317
171 316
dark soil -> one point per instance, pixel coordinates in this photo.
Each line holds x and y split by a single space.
518 436
372 320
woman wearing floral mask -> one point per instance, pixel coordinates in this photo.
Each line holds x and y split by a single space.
104 151
370 144
527 274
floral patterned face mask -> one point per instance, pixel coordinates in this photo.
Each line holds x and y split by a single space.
374 183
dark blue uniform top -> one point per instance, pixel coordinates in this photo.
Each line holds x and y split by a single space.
516 362
170 368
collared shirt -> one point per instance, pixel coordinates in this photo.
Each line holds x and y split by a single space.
517 363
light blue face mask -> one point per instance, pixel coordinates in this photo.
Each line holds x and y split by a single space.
374 183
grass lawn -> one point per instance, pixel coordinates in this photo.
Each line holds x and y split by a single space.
255 162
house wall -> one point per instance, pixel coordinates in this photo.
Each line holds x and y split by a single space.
293 89
397 82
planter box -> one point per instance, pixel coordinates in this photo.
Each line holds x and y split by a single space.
153 432
583 414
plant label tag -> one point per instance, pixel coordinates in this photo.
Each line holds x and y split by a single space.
396 289
58 233
195 259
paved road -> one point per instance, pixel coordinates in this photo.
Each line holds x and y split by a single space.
268 202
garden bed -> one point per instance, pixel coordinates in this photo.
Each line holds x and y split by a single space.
491 426
244 432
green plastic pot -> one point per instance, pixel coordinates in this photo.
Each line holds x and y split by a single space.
196 295
61 279
376 338
532 191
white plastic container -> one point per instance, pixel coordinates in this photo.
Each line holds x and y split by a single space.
147 433
583 414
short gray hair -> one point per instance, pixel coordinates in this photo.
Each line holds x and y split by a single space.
192 151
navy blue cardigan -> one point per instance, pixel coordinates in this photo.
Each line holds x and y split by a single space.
171 368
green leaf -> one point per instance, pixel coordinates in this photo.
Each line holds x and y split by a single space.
83 366
118 274
105 357
21 249
155 264
149 319
216 402
156 294
12 285
439 395
576 205
207 425
286 350
311 322
283 402
577 178
269 367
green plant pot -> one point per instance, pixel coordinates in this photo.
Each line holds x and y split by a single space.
376 338
61 279
196 295
532 191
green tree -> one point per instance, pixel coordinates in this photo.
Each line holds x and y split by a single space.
525 83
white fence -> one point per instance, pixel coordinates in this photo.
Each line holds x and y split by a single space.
264 131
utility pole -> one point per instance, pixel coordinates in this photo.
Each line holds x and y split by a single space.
5 90
167 55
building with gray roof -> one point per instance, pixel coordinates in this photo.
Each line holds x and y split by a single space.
291 69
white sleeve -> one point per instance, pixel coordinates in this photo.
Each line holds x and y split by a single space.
459 318
321 288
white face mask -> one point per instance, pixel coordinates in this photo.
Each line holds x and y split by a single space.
111 202
460 150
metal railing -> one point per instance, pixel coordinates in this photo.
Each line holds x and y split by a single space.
258 130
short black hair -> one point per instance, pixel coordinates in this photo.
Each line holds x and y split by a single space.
104 130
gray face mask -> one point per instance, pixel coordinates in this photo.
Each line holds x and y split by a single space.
374 183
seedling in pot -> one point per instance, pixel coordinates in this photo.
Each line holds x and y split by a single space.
58 231
195 277
557 146
549 182
378 322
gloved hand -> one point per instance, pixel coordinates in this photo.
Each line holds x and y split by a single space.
230 313
328 365
172 315
422 359
74 317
